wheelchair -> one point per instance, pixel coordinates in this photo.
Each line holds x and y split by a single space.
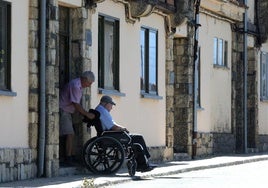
106 152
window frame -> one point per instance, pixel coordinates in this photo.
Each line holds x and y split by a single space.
102 20
220 52
145 88
199 77
264 76
5 52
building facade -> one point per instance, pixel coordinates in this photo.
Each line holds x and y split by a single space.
190 76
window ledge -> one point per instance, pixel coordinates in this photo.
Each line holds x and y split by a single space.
111 92
221 67
151 96
265 100
8 93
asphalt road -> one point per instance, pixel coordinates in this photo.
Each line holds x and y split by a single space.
237 176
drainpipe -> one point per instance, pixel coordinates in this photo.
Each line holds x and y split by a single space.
42 102
195 78
245 61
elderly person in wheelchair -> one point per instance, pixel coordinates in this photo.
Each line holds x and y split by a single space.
117 142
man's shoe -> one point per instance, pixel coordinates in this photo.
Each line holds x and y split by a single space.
153 165
148 168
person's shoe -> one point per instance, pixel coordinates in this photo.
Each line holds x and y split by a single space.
153 165
147 168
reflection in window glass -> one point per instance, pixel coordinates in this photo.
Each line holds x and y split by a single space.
152 61
220 52
142 46
5 48
148 44
108 53
215 51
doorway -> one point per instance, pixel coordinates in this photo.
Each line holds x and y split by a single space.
64 60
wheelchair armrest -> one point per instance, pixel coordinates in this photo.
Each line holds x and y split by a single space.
121 136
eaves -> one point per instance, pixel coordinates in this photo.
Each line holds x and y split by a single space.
223 9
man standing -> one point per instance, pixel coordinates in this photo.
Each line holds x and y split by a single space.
70 98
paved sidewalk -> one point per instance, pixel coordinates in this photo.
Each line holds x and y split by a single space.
122 176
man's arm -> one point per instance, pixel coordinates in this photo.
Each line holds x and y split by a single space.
117 127
80 109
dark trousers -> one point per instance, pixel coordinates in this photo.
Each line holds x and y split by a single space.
144 153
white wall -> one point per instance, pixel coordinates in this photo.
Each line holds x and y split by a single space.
14 110
139 115
215 82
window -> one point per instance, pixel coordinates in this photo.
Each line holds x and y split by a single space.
198 78
220 55
108 53
264 76
5 46
148 45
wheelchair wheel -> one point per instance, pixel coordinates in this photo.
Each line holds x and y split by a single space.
85 152
103 155
132 166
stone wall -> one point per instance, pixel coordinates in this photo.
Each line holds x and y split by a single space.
183 81
214 143
170 79
261 22
223 143
262 143
253 128
52 91
238 94
33 73
21 163
237 90
17 164
204 144
183 94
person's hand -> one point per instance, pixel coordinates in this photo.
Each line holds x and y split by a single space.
90 115
124 129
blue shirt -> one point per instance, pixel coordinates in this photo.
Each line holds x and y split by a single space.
105 118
